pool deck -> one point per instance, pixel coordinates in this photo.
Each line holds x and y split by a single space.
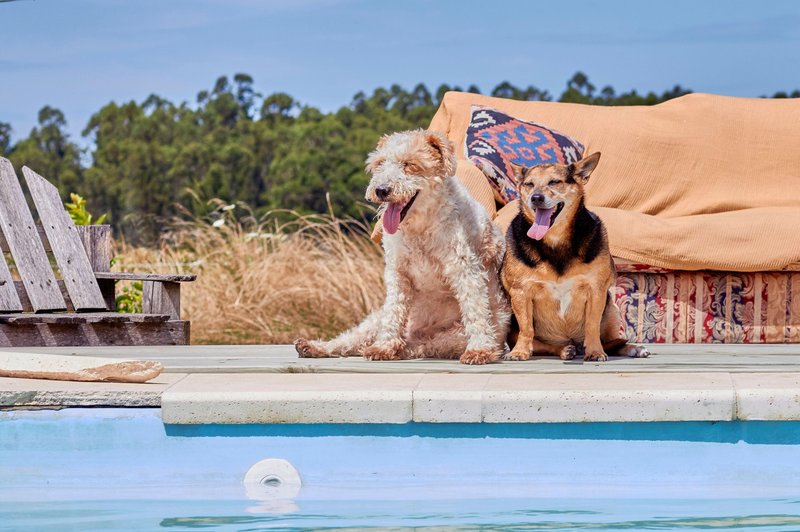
269 384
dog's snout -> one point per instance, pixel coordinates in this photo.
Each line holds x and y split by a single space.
537 198
383 191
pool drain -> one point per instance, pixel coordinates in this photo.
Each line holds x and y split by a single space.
272 479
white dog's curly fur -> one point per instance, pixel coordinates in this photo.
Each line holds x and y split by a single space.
443 254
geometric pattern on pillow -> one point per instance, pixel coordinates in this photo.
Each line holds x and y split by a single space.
495 139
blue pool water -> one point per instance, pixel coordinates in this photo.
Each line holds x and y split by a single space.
122 469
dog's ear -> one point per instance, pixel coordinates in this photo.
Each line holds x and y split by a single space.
519 172
382 141
373 161
581 170
444 147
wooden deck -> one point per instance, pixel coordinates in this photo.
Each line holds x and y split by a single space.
752 358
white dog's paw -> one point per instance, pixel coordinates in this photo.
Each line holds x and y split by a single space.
479 356
309 349
392 350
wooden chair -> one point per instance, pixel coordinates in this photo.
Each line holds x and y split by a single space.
79 308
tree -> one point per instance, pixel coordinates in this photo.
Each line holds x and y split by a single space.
529 93
5 138
277 108
245 95
49 152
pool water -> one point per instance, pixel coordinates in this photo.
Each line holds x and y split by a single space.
489 514
122 469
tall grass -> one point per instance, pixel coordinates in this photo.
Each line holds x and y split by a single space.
268 280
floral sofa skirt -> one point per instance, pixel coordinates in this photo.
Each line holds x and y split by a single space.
666 306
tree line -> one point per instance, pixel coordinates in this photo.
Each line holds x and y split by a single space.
149 161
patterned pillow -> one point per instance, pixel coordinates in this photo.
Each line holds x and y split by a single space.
495 139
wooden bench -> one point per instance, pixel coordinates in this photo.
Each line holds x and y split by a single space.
40 309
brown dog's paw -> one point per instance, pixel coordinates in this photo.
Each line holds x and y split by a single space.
516 354
307 349
616 346
568 352
387 351
479 356
595 354
634 351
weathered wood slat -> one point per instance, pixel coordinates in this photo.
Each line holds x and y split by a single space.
84 317
95 334
162 277
162 298
26 247
39 230
97 233
97 244
9 300
68 250
26 303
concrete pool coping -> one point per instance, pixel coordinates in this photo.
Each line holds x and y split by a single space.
269 384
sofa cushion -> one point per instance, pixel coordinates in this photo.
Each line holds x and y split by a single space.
495 139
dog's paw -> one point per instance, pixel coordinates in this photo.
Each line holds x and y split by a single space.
568 352
634 351
479 356
308 349
595 354
392 350
517 354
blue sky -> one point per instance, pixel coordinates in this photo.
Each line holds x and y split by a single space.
78 55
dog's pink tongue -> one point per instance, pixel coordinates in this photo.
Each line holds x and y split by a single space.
391 218
541 224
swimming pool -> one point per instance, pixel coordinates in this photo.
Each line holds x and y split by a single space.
122 469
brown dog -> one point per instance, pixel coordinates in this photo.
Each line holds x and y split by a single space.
558 270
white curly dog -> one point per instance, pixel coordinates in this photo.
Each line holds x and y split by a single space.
443 254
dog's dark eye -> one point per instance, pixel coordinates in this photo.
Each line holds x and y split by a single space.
553 182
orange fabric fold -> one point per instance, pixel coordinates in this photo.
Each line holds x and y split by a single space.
696 183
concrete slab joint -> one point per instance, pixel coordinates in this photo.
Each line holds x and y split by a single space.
443 398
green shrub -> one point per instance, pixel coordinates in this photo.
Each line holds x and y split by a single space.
77 211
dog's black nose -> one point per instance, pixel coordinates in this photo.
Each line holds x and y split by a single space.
537 198
383 191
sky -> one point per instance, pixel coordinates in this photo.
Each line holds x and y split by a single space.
78 55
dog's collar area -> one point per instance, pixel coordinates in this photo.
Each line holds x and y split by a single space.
408 206
559 208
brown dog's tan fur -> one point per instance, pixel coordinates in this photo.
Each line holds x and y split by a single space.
560 284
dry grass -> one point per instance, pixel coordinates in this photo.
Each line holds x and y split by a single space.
266 281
